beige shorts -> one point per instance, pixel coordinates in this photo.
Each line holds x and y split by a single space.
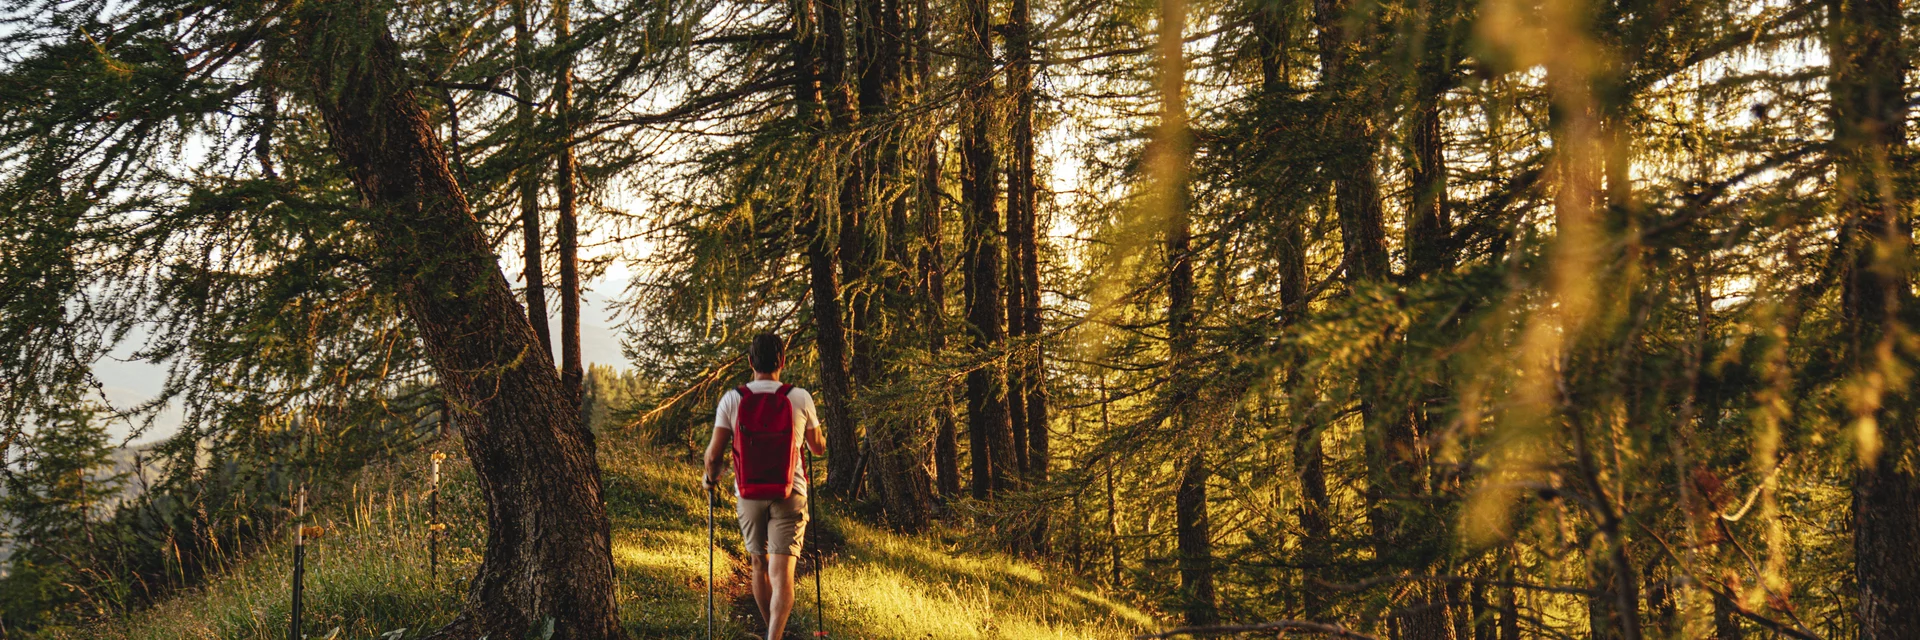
774 526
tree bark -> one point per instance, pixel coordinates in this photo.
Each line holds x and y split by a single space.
1420 536
532 265
872 72
1193 527
989 434
1356 184
1509 606
1195 532
1869 108
1483 615
1023 236
890 299
548 552
1429 222
819 41
1022 191
932 263
1309 468
1169 161
567 225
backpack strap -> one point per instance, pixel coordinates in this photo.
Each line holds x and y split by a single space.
744 392
785 389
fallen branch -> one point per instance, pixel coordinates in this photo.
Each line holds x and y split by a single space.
1331 630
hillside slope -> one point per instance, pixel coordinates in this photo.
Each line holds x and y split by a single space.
369 574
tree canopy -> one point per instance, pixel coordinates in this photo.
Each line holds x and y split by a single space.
1423 318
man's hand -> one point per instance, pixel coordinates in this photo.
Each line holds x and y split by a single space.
710 473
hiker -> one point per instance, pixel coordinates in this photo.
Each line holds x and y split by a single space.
763 422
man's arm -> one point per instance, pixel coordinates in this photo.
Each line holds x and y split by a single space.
716 448
816 442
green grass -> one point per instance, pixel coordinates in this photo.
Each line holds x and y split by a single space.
368 575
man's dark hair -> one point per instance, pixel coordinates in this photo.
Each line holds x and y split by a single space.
767 353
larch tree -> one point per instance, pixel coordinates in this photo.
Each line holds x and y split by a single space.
989 430
548 553
532 241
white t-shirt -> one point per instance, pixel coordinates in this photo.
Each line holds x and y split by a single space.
727 416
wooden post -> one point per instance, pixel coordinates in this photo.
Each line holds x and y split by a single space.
434 526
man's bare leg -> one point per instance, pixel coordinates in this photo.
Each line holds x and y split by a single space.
780 575
762 591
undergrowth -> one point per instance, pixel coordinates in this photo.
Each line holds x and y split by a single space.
368 576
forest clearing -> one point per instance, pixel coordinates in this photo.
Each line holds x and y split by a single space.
1381 319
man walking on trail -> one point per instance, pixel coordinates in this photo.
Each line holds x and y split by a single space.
763 423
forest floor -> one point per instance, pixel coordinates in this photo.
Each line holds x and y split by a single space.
369 574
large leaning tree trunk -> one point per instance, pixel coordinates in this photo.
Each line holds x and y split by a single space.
548 554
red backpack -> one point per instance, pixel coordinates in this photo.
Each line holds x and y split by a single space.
763 451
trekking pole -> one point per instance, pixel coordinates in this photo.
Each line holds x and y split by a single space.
819 599
710 561
299 560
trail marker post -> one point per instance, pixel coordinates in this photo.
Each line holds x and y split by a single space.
434 526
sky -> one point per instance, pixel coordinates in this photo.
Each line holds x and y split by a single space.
128 383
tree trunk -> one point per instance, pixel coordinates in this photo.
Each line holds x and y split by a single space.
1354 166
1869 107
1169 162
567 226
1483 615
1023 235
1509 610
1356 189
870 75
1429 223
533 267
932 263
989 434
1291 263
1195 533
548 552
820 56
1022 190
1113 510
902 478
1015 290
1193 527
1420 536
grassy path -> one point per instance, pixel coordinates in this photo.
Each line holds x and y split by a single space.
368 576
